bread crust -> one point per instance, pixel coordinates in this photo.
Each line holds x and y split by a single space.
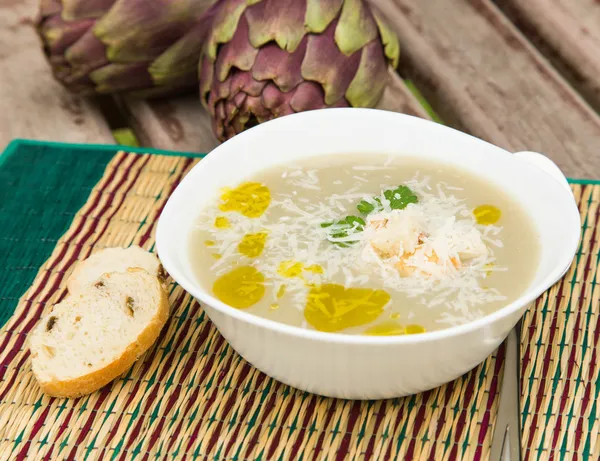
91 382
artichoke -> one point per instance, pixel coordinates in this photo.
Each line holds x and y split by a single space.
110 46
268 58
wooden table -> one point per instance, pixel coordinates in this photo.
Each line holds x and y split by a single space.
524 75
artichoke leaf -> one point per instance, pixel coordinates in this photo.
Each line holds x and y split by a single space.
116 76
273 98
86 54
60 35
237 53
280 66
281 21
389 39
206 73
366 89
178 60
326 64
225 25
243 81
320 13
309 96
356 27
73 10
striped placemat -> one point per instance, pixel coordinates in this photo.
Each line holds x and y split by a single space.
191 396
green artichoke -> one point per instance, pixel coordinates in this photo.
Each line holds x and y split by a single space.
111 46
268 58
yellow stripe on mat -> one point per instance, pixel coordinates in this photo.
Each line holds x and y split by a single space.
192 395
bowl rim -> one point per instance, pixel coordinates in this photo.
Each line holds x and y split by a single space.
206 298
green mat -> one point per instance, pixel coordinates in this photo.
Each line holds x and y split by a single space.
43 185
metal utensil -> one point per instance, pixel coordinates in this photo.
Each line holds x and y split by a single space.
507 430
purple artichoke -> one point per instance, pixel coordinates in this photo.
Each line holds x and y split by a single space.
268 58
111 46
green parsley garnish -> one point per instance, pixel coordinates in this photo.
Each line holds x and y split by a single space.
399 199
344 228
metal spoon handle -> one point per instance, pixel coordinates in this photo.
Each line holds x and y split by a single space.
507 428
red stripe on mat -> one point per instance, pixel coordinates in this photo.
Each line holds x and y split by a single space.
527 358
352 418
260 378
189 365
61 430
226 409
275 440
219 341
419 420
267 409
592 372
541 395
461 423
310 411
144 238
228 406
371 444
571 363
319 445
588 388
399 416
492 394
441 420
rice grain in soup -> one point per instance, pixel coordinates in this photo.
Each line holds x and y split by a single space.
369 244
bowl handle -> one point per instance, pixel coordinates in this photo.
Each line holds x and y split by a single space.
548 166
545 164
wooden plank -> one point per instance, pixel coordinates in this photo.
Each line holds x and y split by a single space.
34 106
398 98
183 124
177 123
568 34
482 76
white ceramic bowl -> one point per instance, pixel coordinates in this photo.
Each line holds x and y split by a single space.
368 367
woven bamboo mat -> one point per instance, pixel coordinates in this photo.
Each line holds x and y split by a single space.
191 396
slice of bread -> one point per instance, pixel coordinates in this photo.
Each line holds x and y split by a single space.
94 336
113 260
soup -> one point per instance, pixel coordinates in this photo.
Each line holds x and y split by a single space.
370 244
